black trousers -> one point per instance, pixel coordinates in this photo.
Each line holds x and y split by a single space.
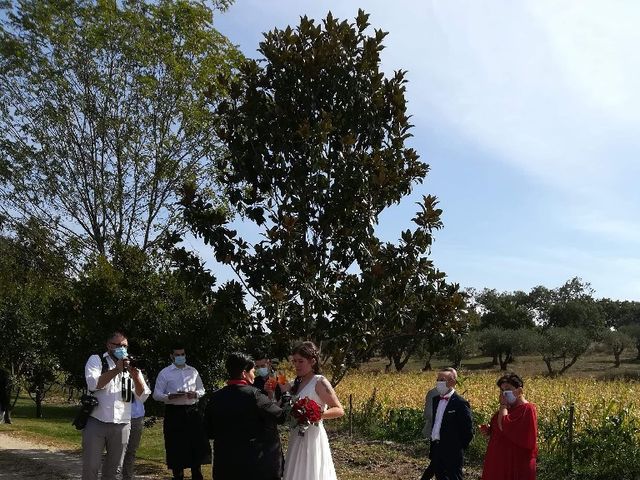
428 473
185 441
446 462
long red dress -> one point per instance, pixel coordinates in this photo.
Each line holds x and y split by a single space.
512 451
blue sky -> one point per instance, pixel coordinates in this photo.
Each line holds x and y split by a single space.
527 113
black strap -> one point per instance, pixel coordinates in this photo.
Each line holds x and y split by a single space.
105 365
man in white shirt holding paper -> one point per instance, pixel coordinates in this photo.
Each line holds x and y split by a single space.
114 382
179 387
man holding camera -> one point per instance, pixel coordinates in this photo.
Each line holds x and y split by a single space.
115 383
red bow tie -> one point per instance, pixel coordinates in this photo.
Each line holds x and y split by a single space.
442 397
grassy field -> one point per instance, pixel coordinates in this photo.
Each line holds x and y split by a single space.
590 382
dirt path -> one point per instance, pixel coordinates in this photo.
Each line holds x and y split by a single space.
21 459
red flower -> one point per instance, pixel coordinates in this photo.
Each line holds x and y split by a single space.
305 412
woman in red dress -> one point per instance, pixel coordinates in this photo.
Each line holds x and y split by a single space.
513 431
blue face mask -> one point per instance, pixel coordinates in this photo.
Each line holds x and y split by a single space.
120 353
509 396
262 371
180 360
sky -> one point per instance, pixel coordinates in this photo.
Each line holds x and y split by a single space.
528 114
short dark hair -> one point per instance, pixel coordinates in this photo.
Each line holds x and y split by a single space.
512 379
116 333
177 345
260 355
238 362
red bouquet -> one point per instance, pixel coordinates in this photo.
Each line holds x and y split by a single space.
305 412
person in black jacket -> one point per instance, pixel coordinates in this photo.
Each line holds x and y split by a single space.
242 421
452 428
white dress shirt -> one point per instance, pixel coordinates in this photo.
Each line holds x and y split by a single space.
437 423
174 379
111 407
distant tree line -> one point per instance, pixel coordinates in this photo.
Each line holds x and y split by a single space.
559 324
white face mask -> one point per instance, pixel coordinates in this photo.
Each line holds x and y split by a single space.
441 387
509 396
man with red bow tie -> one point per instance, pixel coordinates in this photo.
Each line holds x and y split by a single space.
452 429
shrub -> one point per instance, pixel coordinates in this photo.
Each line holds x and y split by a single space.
605 446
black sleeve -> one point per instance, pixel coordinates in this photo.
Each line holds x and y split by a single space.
466 424
209 422
269 408
259 383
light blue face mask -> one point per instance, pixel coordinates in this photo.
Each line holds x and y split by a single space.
262 371
509 396
180 360
120 353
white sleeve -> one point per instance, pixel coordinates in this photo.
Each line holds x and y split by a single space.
92 372
199 385
159 390
145 393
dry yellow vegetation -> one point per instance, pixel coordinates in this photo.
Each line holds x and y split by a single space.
394 390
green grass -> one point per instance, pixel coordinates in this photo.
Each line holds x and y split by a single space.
55 429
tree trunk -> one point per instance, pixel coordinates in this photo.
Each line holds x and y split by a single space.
399 363
39 398
567 365
427 365
549 367
494 360
616 355
387 367
503 363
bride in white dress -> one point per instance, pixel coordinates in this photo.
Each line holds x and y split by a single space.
309 457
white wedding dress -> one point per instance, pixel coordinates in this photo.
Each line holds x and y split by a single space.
309 457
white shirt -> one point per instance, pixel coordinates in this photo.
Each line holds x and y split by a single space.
437 423
173 379
111 408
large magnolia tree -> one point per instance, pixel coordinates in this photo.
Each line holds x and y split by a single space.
316 137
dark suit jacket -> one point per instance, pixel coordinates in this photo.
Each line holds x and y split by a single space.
456 430
242 422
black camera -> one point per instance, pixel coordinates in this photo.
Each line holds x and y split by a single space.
137 362
87 404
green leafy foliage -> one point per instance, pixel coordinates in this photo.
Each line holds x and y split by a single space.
106 109
156 302
561 347
32 273
602 447
316 138
504 344
616 342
